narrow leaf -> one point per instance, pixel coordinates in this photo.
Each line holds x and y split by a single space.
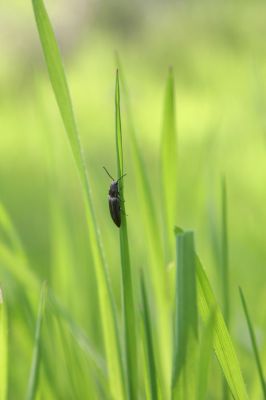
185 323
169 163
254 343
205 352
127 287
3 350
225 269
35 363
223 345
156 266
149 341
62 95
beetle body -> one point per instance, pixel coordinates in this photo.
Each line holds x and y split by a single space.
114 203
114 200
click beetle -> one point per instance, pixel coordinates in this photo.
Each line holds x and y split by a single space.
114 200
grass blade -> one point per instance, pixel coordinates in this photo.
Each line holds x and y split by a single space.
78 334
62 95
225 268
156 266
254 343
169 163
205 352
225 256
3 350
185 323
127 287
149 341
223 345
35 364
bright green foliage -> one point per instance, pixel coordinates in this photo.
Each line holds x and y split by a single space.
146 325
61 91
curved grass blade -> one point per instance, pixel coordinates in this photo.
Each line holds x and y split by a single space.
149 341
223 345
35 364
127 285
254 343
186 318
3 350
62 95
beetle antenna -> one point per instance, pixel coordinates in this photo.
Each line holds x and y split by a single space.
121 177
108 173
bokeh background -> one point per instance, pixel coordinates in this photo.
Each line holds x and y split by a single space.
217 51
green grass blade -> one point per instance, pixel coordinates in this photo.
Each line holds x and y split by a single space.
149 341
205 352
225 268
150 216
35 364
169 163
225 256
127 286
254 343
78 334
3 350
62 95
156 266
186 318
223 345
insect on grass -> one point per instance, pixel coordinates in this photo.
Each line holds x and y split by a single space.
114 199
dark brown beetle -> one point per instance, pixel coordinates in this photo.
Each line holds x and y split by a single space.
114 200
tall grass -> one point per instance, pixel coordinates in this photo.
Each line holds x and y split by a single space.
158 343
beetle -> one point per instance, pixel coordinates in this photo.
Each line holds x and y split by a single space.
114 199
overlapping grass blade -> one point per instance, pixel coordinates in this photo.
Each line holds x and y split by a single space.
62 95
35 364
186 318
3 350
205 352
78 334
149 342
129 310
223 345
169 164
156 266
254 343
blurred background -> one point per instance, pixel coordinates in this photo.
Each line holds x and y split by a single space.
217 51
